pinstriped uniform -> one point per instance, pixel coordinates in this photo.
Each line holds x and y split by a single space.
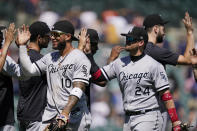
61 73
139 81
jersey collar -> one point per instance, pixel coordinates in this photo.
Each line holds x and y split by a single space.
136 58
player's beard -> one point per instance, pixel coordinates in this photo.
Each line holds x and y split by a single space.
43 45
61 45
159 38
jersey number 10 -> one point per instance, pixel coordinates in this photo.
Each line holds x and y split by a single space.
66 83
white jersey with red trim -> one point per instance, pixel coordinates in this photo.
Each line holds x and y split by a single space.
139 81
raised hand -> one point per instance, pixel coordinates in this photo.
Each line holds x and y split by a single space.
115 52
23 35
83 38
188 22
9 34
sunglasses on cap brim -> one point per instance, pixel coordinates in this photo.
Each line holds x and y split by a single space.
57 33
132 40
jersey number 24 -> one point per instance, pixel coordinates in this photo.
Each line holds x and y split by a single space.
139 91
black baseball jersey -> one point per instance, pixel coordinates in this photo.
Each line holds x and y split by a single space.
162 55
32 94
6 100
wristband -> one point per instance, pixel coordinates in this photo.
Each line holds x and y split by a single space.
97 74
166 96
76 91
173 115
63 118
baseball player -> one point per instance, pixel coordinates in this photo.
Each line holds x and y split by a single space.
32 92
90 48
141 80
154 25
67 73
6 86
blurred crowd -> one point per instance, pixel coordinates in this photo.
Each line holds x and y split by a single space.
106 102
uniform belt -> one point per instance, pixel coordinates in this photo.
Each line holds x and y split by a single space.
131 113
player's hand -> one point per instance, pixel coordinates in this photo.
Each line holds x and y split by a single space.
176 126
115 52
62 120
188 22
181 127
83 38
9 34
23 35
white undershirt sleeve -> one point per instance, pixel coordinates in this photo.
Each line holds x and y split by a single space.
29 68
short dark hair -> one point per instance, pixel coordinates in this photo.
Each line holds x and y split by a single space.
38 28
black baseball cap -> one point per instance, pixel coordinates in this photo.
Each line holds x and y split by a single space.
93 35
137 34
153 19
66 27
39 28
2 28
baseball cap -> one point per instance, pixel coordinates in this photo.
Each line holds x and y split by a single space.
2 28
39 28
153 19
137 34
93 35
66 27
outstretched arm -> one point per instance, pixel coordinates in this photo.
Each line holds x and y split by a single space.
29 68
185 59
9 37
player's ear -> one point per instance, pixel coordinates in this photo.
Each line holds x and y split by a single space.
141 43
156 29
68 37
38 38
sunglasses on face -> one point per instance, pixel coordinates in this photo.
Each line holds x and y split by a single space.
131 40
57 33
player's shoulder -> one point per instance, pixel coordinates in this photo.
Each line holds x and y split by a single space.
78 54
126 60
151 61
51 56
9 59
77 51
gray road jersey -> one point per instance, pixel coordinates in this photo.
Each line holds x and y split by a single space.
61 73
139 81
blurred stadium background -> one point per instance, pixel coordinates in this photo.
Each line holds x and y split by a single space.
110 18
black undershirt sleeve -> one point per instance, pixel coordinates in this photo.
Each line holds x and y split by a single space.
95 71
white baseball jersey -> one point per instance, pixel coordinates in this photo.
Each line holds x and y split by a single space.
11 68
139 81
62 72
